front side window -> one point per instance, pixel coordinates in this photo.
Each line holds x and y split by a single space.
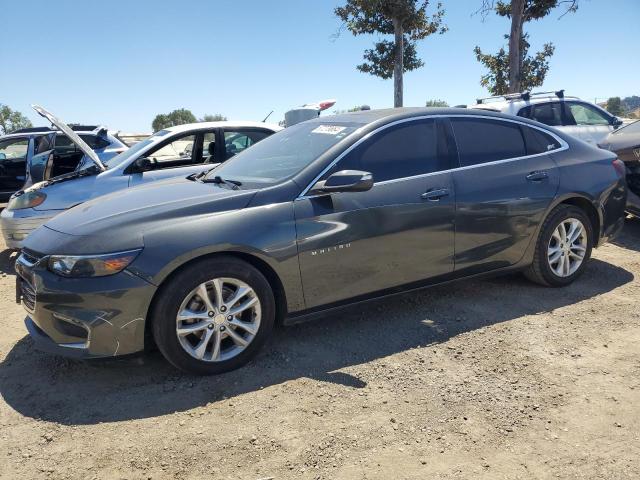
402 151
179 150
236 141
587 115
95 142
483 140
283 154
14 149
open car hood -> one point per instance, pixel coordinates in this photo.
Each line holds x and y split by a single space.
73 136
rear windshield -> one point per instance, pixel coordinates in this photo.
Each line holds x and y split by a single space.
284 154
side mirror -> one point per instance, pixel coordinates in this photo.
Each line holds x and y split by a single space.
344 181
144 164
616 122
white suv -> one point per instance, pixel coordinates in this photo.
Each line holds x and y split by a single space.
571 115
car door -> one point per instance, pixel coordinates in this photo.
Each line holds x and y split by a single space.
13 156
592 124
503 186
178 156
400 231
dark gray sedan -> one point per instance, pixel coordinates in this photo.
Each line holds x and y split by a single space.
326 213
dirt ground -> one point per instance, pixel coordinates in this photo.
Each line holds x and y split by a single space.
491 379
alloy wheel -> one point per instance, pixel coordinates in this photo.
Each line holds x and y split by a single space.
218 319
567 247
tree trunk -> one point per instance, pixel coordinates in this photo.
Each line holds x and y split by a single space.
398 63
515 45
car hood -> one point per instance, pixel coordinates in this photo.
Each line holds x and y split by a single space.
73 136
119 220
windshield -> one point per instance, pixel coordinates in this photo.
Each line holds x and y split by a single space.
283 154
138 147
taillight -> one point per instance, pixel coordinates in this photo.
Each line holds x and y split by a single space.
620 167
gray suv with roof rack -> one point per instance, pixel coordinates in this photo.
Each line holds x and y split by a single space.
571 115
30 155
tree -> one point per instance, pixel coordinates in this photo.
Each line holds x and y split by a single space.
436 103
515 71
177 117
11 120
614 106
406 20
213 118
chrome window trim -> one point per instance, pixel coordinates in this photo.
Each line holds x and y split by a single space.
563 146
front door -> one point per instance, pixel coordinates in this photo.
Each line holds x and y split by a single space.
505 183
399 232
592 124
179 157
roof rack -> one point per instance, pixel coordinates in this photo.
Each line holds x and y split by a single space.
526 96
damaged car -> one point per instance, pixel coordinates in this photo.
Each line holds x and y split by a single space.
326 213
31 155
173 152
625 142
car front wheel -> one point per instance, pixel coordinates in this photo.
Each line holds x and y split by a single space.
213 316
563 247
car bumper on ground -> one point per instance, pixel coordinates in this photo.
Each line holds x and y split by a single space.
83 317
17 224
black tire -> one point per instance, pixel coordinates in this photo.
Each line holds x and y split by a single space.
176 289
540 271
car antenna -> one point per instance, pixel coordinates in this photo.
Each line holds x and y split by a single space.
265 118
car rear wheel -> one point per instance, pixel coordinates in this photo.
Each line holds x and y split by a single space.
563 247
213 316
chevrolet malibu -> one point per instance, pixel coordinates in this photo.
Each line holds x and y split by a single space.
326 213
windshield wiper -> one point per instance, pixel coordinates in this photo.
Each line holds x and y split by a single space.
196 176
234 184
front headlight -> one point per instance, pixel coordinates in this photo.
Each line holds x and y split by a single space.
26 200
91 265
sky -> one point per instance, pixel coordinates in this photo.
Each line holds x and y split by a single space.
119 63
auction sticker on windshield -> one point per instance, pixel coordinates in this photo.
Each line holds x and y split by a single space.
328 129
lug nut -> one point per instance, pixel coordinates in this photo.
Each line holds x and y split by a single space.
211 314
222 328
210 327
229 318
223 308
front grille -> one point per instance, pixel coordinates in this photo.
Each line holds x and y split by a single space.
28 295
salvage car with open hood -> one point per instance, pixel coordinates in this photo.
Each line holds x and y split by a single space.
173 152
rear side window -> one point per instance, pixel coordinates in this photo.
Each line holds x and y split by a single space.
537 141
402 151
547 113
483 140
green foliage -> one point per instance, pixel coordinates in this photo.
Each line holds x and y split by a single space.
381 17
436 103
217 117
534 68
614 106
357 108
177 117
11 120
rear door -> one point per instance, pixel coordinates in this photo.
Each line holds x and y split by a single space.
505 182
399 232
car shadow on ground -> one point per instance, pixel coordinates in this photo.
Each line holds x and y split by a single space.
50 388
7 261
630 238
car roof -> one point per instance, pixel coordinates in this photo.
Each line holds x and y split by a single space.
43 132
222 124
392 114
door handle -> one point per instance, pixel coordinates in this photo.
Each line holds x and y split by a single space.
537 176
435 195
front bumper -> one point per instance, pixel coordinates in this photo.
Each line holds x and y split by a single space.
17 224
84 317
